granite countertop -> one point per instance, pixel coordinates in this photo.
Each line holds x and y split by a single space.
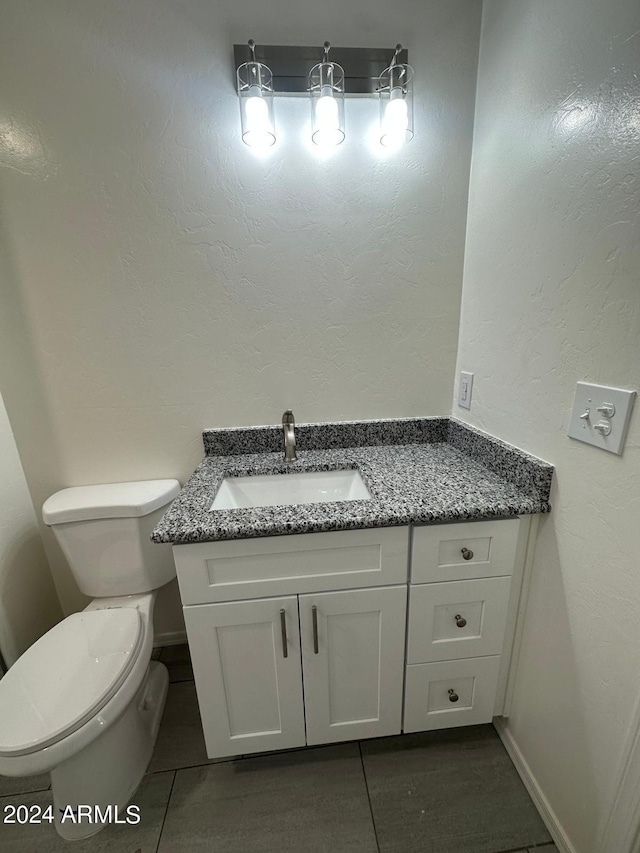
442 471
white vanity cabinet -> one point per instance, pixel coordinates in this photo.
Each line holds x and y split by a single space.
300 639
317 665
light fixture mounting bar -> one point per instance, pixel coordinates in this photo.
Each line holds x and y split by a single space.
290 65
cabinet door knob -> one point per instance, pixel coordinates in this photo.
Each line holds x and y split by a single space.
467 554
283 628
460 620
314 613
453 696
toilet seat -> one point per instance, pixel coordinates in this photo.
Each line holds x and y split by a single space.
65 678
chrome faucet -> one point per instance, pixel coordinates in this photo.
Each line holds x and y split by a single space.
289 427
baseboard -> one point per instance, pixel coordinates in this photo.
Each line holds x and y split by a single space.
621 830
530 782
170 638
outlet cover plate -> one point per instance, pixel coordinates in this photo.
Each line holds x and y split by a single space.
465 387
587 399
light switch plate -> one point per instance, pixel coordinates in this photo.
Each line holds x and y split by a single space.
465 387
601 429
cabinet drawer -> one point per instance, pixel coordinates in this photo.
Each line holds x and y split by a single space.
431 687
478 549
279 565
461 619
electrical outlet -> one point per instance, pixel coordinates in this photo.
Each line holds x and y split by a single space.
465 387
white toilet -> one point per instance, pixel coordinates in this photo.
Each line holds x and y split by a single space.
84 702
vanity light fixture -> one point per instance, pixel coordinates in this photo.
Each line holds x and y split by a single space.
395 91
353 72
255 91
326 90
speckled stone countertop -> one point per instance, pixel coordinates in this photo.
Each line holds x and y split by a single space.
420 470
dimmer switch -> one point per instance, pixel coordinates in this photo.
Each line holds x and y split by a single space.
601 415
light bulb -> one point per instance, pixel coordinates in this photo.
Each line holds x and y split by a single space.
328 132
257 114
327 113
327 122
396 121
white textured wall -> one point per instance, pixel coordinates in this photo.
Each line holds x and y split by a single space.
168 279
29 605
550 297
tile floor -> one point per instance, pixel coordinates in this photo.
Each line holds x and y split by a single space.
454 791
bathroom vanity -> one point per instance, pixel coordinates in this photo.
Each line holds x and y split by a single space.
405 621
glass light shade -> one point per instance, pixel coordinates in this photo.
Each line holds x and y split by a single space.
396 105
255 91
326 90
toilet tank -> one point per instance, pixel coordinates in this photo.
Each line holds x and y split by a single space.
104 532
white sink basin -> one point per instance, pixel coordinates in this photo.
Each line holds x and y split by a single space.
307 487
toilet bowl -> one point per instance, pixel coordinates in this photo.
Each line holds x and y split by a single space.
84 702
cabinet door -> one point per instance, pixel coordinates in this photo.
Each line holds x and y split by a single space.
248 678
353 660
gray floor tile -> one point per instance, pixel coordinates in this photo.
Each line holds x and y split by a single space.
23 784
546 848
452 791
152 797
178 661
313 800
180 740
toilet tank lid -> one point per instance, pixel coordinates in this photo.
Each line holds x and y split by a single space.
108 500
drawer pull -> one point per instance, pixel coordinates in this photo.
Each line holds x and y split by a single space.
314 613
453 696
460 621
467 554
283 627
